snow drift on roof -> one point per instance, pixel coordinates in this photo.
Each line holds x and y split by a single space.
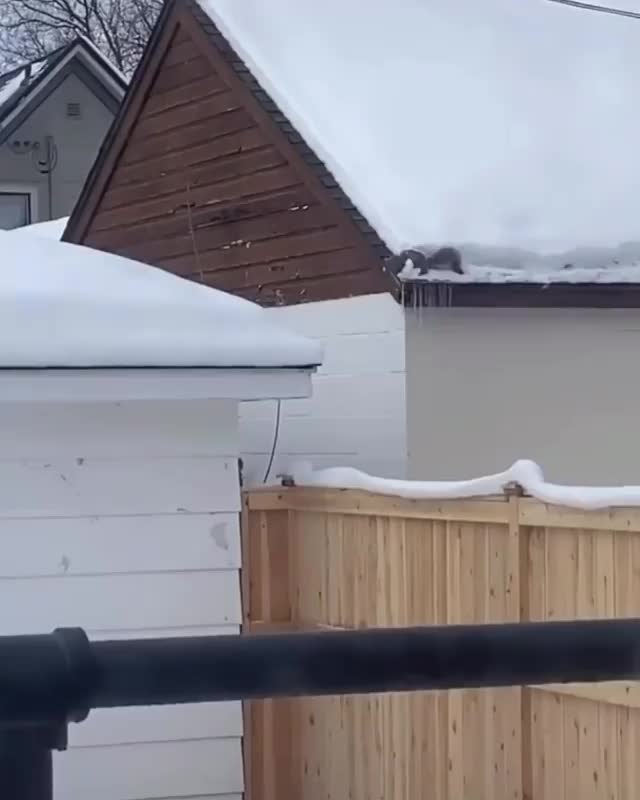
63 305
500 122
19 79
508 265
52 229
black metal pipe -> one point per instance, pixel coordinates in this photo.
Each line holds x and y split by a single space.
26 771
46 680
150 672
49 680
54 678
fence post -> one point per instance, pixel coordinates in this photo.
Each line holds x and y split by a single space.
266 599
519 536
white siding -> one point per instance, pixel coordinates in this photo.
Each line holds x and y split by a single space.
356 416
123 518
561 387
77 142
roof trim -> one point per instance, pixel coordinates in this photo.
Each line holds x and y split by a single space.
77 58
118 133
440 294
108 384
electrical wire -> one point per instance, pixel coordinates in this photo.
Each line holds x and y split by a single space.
620 12
276 434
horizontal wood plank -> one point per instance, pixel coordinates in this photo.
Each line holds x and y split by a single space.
154 770
105 602
261 626
233 234
174 162
187 136
234 165
538 514
114 726
163 633
235 210
205 109
193 92
95 487
275 274
180 52
323 287
173 76
218 193
618 693
119 430
347 501
118 544
323 240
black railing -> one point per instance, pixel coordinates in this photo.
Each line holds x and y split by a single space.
50 680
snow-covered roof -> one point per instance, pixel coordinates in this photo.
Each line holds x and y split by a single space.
51 229
64 305
500 123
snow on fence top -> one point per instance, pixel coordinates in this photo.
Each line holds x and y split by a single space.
526 474
500 123
63 305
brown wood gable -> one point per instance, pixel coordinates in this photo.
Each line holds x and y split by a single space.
199 177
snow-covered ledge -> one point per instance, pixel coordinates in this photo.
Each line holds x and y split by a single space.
80 325
526 474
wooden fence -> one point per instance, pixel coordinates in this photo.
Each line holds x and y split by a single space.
318 558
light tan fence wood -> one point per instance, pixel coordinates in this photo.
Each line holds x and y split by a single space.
326 559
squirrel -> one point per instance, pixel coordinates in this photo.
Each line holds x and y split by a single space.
445 258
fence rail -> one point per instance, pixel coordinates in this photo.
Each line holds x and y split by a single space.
319 559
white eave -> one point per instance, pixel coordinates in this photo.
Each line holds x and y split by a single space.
109 385
93 65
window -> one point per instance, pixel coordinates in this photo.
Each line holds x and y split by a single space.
15 209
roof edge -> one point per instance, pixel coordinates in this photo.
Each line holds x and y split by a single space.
84 208
64 55
418 294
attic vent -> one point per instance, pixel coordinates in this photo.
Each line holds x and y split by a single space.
74 110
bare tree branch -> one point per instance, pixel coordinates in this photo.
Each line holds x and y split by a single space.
29 29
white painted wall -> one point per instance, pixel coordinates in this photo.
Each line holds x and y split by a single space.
77 140
562 387
356 416
123 518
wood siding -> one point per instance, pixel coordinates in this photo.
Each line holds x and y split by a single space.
123 518
206 186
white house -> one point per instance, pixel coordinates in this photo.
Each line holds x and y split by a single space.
54 114
301 154
119 487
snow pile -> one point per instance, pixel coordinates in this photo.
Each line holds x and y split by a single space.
503 123
53 229
63 305
22 76
525 473
11 87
